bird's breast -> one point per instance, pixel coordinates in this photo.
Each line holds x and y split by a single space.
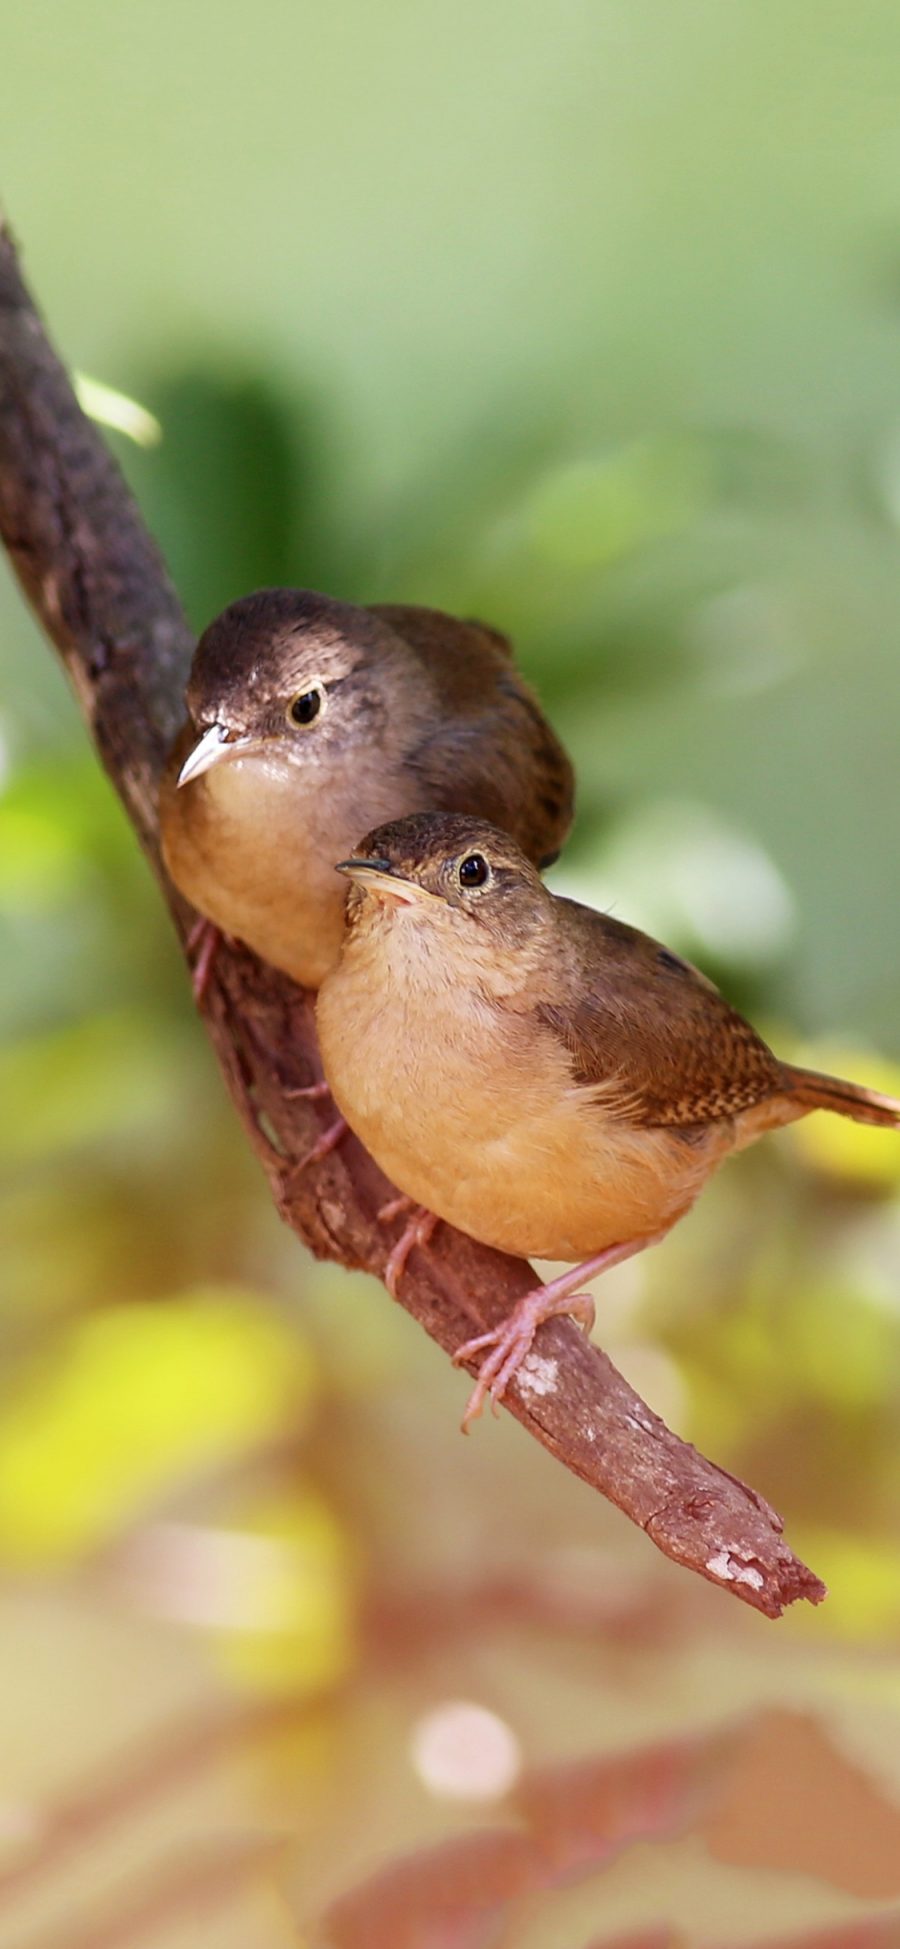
244 842
472 1111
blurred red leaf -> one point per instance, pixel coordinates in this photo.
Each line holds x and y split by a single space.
446 1897
589 1809
795 1803
583 1812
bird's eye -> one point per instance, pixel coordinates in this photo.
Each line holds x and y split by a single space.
308 705
473 871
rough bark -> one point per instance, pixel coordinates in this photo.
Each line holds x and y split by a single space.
101 593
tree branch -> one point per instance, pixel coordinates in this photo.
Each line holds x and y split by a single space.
99 588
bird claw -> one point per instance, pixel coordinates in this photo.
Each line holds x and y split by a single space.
395 1208
417 1232
202 946
331 1137
312 1092
511 1343
324 1145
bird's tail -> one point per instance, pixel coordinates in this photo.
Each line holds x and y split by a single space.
815 1092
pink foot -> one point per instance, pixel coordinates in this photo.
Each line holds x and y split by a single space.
202 946
417 1232
331 1137
324 1145
395 1208
313 1092
511 1341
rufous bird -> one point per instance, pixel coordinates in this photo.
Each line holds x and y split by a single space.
310 720
542 1076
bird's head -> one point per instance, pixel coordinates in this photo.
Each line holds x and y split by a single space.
292 679
466 887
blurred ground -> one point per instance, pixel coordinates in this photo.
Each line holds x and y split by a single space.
588 323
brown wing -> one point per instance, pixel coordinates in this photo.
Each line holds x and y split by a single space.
492 752
632 1013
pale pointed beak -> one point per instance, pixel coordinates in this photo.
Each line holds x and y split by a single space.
378 877
218 742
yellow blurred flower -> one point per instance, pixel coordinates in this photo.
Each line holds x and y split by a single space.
863 1578
301 1634
142 1398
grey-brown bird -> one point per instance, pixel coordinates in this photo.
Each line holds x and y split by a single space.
542 1076
310 720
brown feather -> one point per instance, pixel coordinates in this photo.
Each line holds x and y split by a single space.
625 1006
488 743
814 1091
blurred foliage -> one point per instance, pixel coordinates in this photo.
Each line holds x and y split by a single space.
139 1398
589 326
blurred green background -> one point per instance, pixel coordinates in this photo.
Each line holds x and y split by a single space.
585 319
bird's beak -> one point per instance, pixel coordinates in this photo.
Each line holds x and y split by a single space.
378 877
218 742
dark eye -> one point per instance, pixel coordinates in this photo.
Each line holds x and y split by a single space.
473 871
309 705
